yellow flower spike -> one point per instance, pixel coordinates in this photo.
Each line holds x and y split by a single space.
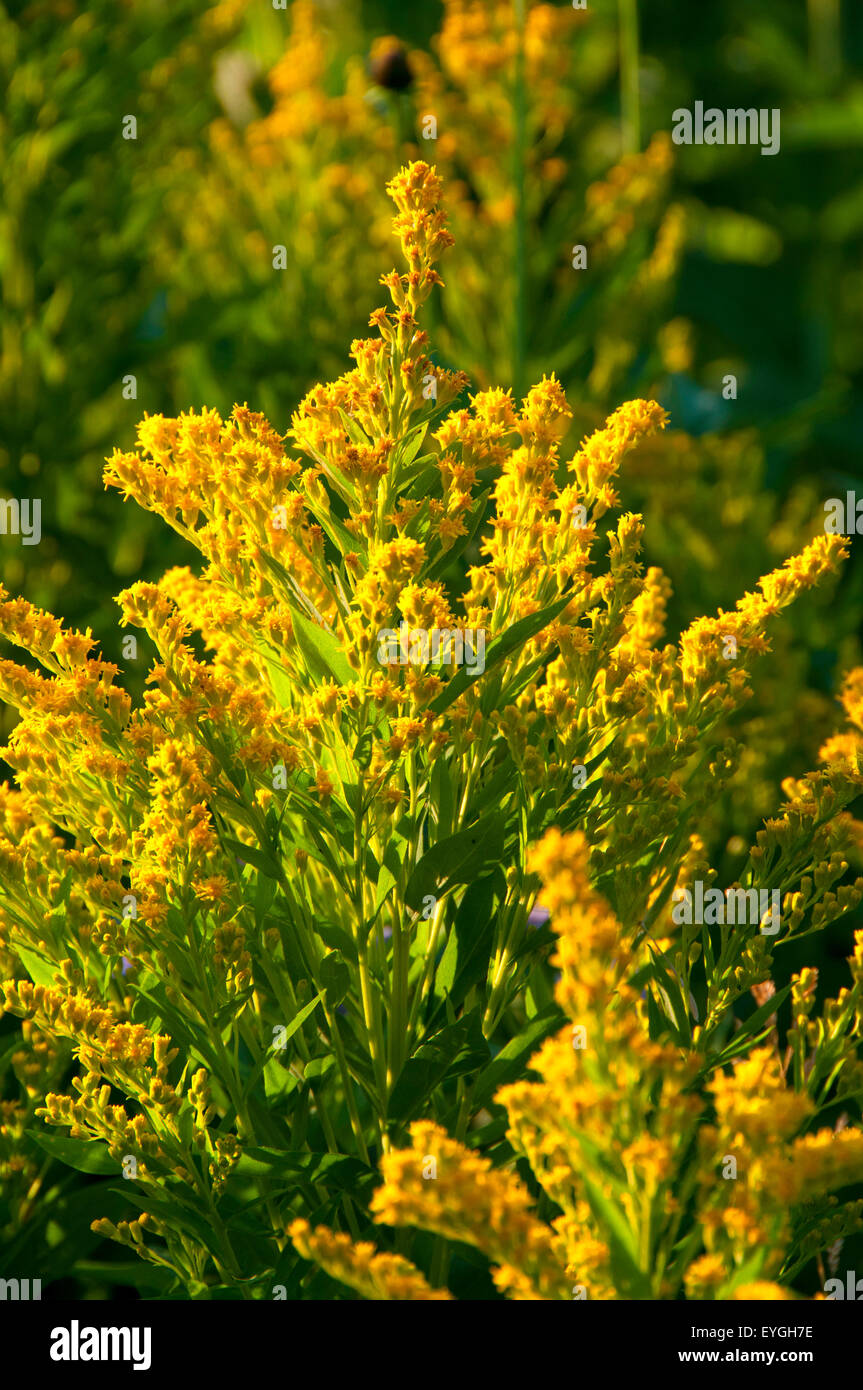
754 1101
601 454
545 413
440 1185
589 937
374 1275
645 619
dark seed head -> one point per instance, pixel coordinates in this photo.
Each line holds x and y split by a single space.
391 68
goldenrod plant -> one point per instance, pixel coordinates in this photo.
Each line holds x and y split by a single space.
261 923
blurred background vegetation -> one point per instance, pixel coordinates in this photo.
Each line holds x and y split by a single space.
137 275
260 127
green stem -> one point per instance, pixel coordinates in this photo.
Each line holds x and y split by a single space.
500 994
424 984
442 1252
333 1147
370 1005
401 955
519 347
630 110
347 1083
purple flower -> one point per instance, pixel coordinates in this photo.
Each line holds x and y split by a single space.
539 915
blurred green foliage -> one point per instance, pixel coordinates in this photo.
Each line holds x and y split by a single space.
82 309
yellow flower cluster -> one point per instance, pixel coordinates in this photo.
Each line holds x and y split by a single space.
441 1186
361 1267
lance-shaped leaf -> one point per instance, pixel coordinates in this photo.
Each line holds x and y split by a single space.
458 859
502 647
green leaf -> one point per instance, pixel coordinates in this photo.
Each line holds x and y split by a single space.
621 1241
744 1273
425 478
538 994
494 788
257 857
459 858
353 428
488 1134
278 1081
265 892
683 1254
451 1052
669 992
64 1226
299 1019
337 939
657 1022
410 447
365 745
707 950
87 1155
232 1009
357 1055
279 679
316 847
335 978
318 1068
466 955
322 651
441 792
338 533
745 1038
514 637
330 1170
7 1051
535 941
511 1060
40 969
386 881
